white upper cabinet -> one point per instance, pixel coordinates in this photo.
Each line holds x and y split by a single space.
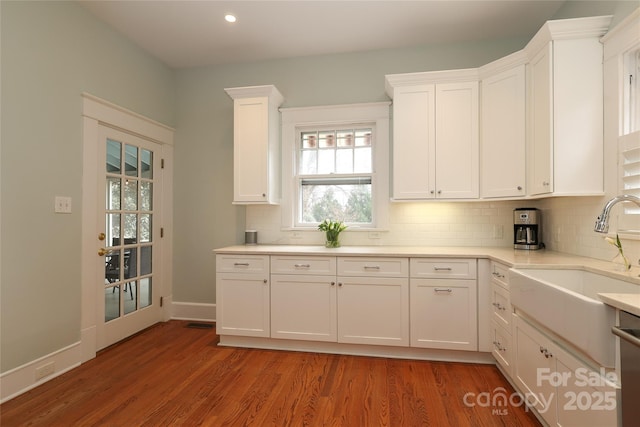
565 108
503 139
256 141
435 135
413 141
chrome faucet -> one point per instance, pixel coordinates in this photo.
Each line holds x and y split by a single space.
602 223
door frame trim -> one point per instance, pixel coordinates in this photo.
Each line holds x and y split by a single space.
97 112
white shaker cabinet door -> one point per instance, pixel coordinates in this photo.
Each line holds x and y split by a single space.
414 142
250 153
303 307
502 158
373 311
457 141
243 304
444 314
541 114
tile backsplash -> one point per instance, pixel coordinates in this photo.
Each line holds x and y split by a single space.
567 226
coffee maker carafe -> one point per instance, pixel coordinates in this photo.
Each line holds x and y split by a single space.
527 229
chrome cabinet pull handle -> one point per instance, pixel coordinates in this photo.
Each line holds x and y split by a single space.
372 267
442 268
448 290
241 264
302 265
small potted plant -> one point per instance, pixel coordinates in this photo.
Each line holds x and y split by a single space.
332 231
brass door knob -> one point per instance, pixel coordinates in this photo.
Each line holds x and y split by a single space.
103 251
102 236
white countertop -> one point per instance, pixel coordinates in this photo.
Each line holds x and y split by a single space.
627 302
509 256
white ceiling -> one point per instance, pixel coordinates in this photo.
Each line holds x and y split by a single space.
193 33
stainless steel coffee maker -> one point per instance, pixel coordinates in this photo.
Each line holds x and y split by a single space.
527 228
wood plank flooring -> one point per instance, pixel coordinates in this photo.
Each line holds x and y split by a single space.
170 375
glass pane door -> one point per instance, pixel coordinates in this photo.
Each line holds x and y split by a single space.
128 278
129 235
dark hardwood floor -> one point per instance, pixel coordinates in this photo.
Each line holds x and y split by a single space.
171 375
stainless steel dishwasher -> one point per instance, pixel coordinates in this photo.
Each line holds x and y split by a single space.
629 333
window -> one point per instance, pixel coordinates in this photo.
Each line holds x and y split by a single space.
336 165
334 176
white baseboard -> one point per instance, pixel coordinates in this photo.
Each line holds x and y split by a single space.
396 352
23 378
193 311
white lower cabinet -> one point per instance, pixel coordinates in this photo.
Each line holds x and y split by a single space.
303 307
444 303
443 314
242 295
501 317
564 390
502 349
373 310
373 300
354 300
303 298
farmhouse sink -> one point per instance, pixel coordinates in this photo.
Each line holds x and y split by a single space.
566 301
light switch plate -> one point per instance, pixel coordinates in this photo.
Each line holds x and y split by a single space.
62 204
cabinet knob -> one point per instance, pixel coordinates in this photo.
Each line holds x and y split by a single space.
339 283
264 195
545 183
519 187
265 281
333 283
432 192
439 191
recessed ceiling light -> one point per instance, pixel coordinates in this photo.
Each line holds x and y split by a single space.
229 18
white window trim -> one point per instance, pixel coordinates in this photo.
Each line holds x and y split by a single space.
337 115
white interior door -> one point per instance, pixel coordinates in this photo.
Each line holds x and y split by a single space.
128 276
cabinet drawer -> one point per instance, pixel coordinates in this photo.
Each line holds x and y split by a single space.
501 306
373 266
439 268
316 265
500 274
502 347
242 263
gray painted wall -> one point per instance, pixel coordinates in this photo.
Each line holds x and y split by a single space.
51 53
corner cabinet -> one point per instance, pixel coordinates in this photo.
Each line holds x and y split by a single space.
435 135
565 104
256 139
503 138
